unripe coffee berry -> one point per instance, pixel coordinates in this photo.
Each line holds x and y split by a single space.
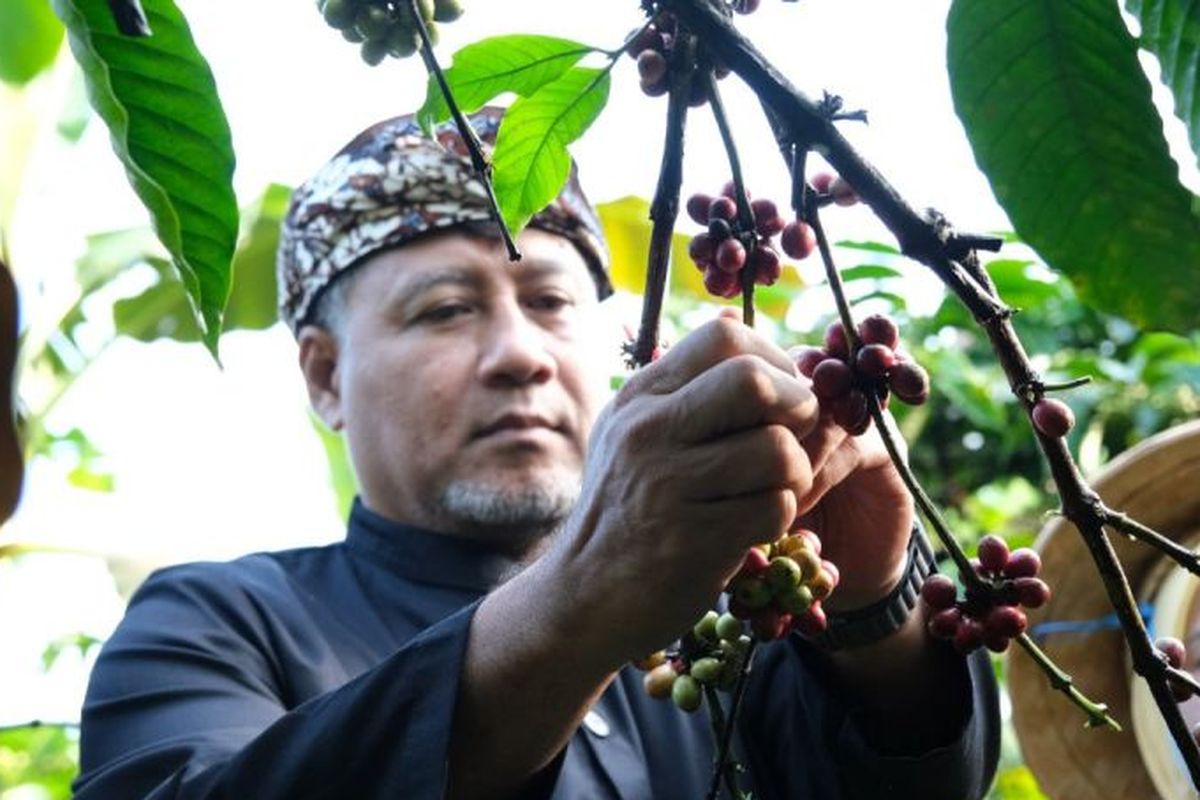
706 670
658 681
685 693
783 575
706 628
729 628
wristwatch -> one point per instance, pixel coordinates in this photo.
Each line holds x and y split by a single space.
869 624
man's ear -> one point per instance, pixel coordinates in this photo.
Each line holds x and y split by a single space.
319 353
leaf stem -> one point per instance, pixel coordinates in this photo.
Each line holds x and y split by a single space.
479 161
1097 713
745 213
1187 559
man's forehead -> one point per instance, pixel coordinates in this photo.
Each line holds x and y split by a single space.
478 262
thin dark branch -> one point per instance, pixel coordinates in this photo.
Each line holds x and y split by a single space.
925 240
735 707
745 213
718 721
130 18
479 161
1187 559
664 209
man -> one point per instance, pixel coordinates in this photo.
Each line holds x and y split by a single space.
468 638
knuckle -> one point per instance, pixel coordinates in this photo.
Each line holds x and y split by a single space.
752 381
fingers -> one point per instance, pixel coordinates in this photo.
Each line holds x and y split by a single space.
742 522
737 394
749 462
699 351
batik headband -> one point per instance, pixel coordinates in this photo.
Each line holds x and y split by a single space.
391 185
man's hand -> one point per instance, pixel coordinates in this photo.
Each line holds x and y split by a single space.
860 508
696 459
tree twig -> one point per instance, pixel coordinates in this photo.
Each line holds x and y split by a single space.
1188 559
664 209
742 199
925 240
479 160
735 707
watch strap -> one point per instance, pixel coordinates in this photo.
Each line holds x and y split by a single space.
869 624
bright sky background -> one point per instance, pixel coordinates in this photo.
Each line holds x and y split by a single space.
211 463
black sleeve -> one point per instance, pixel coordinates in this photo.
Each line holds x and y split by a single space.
183 703
804 741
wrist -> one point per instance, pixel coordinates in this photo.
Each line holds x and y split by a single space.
869 624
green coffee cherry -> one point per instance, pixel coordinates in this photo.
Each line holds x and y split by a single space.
706 629
339 13
685 693
373 22
447 10
796 600
351 35
706 670
427 10
751 592
374 51
783 574
403 41
729 627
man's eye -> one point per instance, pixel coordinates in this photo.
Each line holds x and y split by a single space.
445 312
550 302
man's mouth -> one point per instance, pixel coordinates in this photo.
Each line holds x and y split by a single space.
515 422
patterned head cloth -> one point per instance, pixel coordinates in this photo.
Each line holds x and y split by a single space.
392 185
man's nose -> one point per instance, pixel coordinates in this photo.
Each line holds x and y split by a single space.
517 350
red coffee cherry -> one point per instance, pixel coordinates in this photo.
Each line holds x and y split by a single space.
798 239
1052 417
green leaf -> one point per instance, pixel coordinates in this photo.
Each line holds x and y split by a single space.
531 159
867 272
162 310
30 36
481 71
1059 115
1171 31
160 103
341 471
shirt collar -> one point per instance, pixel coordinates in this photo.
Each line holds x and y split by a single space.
424 556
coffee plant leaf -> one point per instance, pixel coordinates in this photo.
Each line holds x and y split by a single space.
30 36
484 70
531 159
1058 112
158 98
162 310
1171 31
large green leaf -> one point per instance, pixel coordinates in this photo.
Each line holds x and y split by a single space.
158 98
1059 114
30 36
483 70
531 159
1171 30
162 311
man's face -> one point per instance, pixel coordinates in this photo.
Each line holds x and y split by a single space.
465 383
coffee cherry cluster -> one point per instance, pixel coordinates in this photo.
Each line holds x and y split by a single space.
780 587
1052 417
721 251
994 618
652 47
1175 653
711 654
842 380
385 27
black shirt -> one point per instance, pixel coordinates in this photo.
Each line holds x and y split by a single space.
332 672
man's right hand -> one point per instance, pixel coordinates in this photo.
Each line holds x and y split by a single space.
696 459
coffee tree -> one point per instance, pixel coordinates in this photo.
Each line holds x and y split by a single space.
1059 114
